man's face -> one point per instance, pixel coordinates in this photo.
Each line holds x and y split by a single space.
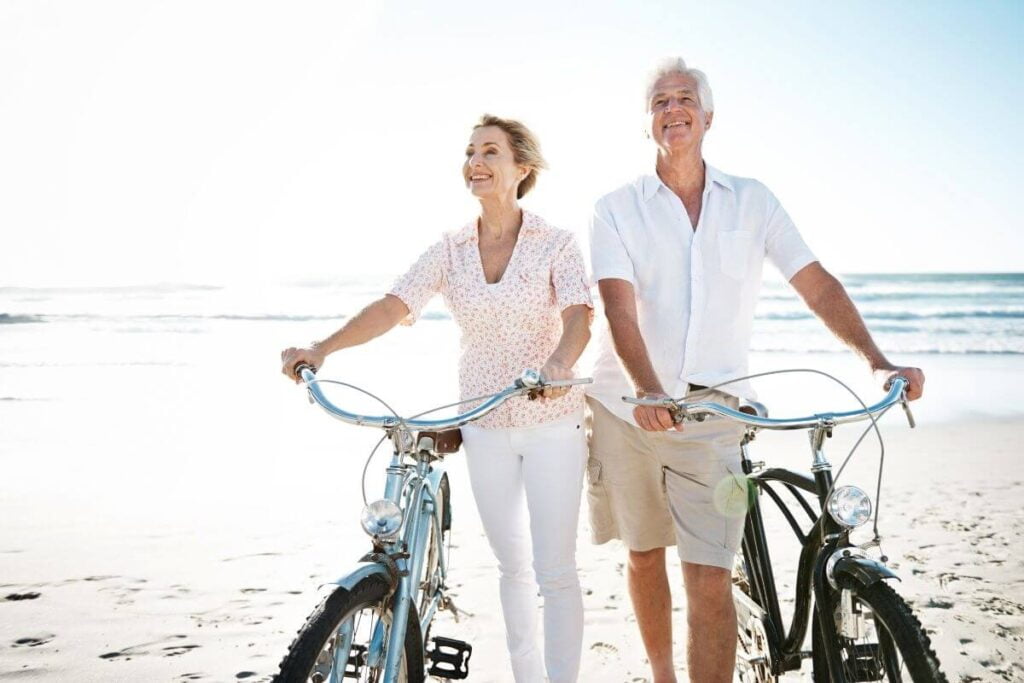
678 122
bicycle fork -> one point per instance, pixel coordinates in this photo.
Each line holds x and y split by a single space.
423 513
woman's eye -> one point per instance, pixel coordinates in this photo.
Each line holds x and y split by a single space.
490 152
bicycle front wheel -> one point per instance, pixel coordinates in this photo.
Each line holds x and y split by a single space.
432 580
346 638
890 643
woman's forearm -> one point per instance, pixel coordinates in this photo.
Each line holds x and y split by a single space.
575 335
371 322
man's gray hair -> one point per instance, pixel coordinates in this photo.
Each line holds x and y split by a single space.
676 65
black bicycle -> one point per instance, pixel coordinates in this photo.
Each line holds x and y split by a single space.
861 629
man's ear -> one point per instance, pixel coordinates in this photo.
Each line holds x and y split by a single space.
707 120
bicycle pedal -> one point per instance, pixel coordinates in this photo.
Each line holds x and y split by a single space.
449 658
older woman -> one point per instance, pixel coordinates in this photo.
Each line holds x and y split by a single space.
517 288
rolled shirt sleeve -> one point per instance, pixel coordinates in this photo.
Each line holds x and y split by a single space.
421 282
784 246
608 255
569 276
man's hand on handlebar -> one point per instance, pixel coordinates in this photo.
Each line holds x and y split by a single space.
292 357
655 418
914 377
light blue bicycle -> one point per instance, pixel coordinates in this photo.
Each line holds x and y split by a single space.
374 625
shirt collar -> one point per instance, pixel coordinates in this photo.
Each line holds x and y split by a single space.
531 223
649 184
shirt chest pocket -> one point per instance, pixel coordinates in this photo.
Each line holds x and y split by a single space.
734 250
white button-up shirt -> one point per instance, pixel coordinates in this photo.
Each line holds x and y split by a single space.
695 289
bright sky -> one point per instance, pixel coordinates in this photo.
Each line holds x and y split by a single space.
241 141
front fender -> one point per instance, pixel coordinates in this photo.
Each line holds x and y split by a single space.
372 564
845 567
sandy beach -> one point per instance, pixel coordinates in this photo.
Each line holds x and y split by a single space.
171 508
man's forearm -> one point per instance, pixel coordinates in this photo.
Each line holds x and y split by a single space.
833 305
631 349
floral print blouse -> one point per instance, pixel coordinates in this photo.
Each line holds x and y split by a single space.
508 326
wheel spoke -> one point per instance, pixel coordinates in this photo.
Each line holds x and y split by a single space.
890 657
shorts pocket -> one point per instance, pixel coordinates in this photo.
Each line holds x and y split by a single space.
597 497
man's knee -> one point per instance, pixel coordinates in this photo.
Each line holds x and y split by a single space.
704 582
647 561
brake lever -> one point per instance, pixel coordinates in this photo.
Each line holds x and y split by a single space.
906 409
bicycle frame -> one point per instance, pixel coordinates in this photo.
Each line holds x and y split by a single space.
785 646
414 488
827 559
825 537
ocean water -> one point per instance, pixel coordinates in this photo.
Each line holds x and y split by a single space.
970 313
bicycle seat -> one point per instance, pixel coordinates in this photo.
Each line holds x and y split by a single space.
442 443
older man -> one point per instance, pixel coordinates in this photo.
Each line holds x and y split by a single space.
678 257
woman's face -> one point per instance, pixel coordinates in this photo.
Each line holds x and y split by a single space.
490 170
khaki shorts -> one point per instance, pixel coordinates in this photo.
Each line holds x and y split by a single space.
656 489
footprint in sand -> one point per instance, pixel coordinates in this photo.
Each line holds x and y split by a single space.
999 605
245 557
34 641
245 674
14 597
144 649
939 603
1014 633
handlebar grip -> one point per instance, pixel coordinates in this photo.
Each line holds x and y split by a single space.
299 367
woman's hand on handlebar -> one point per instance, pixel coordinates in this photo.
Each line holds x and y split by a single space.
292 357
554 371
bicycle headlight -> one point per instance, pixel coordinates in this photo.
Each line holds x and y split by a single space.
381 519
849 506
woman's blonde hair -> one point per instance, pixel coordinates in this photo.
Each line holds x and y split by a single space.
525 148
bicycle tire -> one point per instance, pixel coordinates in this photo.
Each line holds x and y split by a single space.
903 649
300 664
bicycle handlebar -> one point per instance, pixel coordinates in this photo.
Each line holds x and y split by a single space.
530 381
697 411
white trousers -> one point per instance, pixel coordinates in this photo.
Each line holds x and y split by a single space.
527 483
